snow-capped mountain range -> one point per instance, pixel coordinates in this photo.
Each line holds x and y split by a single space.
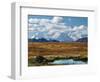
55 29
85 39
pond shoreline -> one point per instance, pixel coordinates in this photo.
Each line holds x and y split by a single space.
33 62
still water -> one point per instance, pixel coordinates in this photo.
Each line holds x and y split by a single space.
67 62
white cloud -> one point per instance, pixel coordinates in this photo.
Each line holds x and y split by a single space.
55 35
53 28
81 27
44 21
31 29
57 19
75 35
35 20
78 32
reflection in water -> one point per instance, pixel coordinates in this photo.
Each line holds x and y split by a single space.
67 62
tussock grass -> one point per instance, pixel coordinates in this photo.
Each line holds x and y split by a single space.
52 50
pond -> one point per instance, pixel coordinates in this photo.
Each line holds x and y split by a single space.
67 62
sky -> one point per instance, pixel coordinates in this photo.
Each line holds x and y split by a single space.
61 28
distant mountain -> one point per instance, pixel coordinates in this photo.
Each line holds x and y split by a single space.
41 40
85 39
64 38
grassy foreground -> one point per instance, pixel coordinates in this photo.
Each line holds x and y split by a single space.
56 50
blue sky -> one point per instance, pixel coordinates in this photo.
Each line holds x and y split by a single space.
62 28
68 20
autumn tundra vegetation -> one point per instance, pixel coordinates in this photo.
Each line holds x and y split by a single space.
42 53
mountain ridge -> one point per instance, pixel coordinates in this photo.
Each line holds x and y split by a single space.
84 39
42 40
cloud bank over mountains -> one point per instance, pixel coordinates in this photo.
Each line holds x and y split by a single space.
55 28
